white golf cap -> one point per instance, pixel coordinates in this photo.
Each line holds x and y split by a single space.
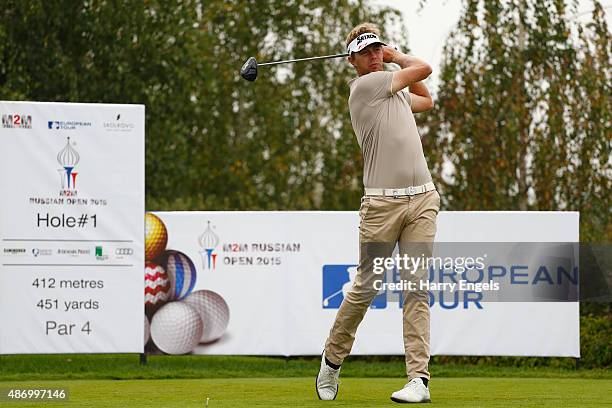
362 41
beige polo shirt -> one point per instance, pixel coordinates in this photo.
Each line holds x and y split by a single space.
387 133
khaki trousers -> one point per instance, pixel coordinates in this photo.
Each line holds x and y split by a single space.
385 221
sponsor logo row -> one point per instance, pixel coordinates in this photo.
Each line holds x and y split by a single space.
25 121
98 252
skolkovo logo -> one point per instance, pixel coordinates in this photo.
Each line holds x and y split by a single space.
208 242
68 158
118 125
337 281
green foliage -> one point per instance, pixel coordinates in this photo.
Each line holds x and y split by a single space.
522 119
522 116
214 141
595 335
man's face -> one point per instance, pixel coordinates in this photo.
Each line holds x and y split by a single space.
370 59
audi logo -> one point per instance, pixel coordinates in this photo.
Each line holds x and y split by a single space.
124 251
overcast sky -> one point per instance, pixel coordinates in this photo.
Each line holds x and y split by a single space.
428 29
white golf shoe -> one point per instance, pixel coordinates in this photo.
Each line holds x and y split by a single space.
327 381
414 391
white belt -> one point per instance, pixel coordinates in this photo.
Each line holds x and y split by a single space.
399 192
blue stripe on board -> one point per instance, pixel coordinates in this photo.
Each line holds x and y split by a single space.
179 275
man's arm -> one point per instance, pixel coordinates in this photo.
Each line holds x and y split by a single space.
420 99
413 69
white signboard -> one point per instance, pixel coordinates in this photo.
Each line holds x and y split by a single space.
71 228
283 276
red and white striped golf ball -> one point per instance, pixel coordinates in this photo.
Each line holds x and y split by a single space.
157 285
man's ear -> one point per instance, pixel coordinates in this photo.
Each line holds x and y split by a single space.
351 59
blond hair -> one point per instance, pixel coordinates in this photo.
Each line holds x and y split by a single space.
360 29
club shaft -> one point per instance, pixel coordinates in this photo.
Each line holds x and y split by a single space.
302 59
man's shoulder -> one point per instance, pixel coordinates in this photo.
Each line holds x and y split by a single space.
371 80
372 76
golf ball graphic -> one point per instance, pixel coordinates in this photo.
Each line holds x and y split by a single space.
157 285
156 236
213 311
181 273
176 328
147 330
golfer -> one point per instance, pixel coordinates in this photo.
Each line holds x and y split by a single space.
400 204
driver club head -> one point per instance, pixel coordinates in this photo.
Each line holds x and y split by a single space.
249 69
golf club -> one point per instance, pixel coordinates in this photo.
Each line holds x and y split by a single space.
249 69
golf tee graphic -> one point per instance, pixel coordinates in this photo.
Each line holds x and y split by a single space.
177 319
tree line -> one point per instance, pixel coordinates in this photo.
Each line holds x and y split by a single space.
521 118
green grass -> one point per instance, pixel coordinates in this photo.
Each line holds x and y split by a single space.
299 392
127 367
234 381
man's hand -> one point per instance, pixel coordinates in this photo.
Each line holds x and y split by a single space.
390 53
